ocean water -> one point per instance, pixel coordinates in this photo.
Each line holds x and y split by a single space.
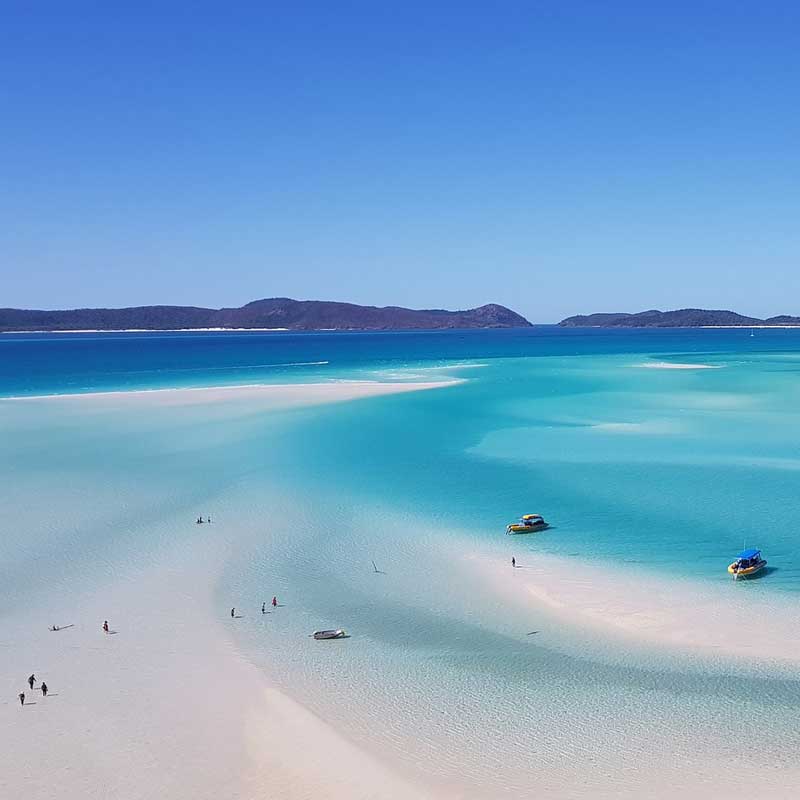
651 452
39 363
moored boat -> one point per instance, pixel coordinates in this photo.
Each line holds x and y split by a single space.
529 523
333 634
747 563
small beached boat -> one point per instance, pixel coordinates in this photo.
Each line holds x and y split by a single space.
337 634
529 523
747 563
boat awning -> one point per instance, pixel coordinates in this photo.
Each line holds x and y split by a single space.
746 555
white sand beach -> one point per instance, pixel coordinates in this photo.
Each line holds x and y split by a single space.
167 705
163 706
669 614
290 395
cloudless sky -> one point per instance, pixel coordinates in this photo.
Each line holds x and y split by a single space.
557 157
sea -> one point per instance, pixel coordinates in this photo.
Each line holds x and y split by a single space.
655 454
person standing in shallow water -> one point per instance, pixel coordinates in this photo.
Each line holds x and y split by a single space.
263 608
232 613
275 602
105 627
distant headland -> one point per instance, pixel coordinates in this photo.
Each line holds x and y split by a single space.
683 318
277 313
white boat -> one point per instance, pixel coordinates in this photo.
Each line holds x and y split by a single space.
336 634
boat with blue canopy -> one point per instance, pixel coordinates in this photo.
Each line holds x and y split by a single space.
747 563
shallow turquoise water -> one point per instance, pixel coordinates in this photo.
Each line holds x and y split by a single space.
650 466
652 469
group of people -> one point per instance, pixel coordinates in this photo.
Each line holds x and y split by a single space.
31 682
263 607
43 686
200 520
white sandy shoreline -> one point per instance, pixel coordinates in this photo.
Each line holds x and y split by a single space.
285 393
150 330
668 613
164 707
169 706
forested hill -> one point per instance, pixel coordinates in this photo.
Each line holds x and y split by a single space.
684 318
278 312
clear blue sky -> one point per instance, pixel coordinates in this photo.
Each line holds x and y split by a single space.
557 157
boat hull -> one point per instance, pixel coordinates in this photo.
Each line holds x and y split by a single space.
747 571
527 528
337 634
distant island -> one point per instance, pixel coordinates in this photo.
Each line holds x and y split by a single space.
683 318
277 313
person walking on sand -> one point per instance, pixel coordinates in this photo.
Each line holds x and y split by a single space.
21 696
105 627
44 689
31 681
275 602
513 561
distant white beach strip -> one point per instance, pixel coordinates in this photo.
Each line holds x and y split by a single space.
153 330
284 394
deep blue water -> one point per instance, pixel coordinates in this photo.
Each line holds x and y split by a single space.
58 363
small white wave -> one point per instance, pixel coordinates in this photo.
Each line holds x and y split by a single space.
674 365
235 367
649 427
451 366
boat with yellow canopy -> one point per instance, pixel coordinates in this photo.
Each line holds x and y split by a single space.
747 563
529 523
